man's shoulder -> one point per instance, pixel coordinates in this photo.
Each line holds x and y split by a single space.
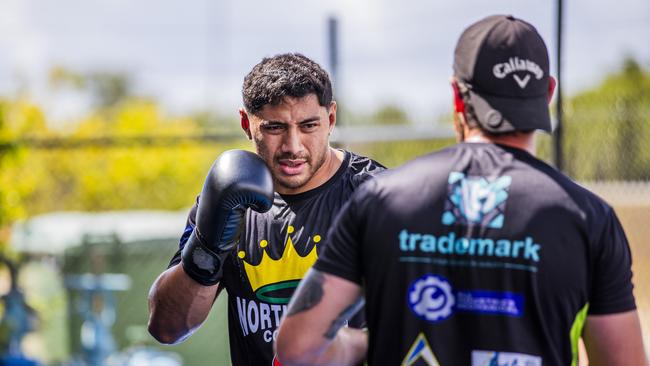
360 164
360 168
589 202
547 179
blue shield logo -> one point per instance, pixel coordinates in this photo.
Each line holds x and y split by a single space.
476 200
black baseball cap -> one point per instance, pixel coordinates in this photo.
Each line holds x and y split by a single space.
503 63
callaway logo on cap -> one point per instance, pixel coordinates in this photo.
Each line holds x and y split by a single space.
503 62
501 70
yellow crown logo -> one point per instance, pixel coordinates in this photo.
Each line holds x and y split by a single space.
276 275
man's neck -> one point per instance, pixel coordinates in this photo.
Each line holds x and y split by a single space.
524 140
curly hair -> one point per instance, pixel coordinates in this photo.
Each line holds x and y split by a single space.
285 75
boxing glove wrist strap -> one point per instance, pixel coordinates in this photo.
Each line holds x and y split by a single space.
202 264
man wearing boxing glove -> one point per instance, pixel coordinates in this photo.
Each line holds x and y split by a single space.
289 115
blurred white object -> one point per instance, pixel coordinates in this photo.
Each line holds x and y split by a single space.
142 356
53 233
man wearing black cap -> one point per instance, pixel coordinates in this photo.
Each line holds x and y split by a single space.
480 254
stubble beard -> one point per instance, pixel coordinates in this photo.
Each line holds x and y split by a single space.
298 181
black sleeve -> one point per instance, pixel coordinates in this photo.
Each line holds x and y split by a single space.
611 286
189 227
342 253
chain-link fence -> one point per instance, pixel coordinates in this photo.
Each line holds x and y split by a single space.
606 129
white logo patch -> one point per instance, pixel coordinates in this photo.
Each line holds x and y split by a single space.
503 69
521 82
485 358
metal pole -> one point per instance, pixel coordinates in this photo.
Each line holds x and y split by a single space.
557 141
333 53
332 32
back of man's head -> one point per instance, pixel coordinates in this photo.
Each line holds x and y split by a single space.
286 75
502 69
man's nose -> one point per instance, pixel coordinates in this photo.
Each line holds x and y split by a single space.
292 142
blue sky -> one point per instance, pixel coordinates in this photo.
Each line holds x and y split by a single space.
193 54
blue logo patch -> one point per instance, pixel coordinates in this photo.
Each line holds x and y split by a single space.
476 200
431 298
490 302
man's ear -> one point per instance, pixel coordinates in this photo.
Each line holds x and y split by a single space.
459 112
332 115
245 123
459 105
552 83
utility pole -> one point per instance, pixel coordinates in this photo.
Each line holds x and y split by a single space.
557 141
333 47
333 61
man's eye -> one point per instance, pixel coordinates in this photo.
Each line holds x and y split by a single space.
310 126
273 128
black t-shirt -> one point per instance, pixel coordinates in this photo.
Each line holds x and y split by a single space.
274 252
479 254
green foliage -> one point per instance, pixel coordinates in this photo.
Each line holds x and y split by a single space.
387 114
213 122
17 118
35 181
106 88
390 115
606 128
394 153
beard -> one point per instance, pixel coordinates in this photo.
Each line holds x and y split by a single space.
311 165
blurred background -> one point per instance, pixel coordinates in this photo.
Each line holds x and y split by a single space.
111 113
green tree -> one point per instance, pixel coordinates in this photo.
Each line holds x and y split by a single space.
107 88
18 118
606 128
390 114
95 178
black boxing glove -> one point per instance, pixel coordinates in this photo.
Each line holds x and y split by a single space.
237 180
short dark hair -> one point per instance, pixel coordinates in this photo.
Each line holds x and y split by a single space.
285 75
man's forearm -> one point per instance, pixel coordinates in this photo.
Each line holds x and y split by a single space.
313 332
349 347
178 305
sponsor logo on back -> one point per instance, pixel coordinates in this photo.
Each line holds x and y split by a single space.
476 200
420 353
432 297
494 358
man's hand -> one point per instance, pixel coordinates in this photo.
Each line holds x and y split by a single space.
182 296
311 334
237 180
